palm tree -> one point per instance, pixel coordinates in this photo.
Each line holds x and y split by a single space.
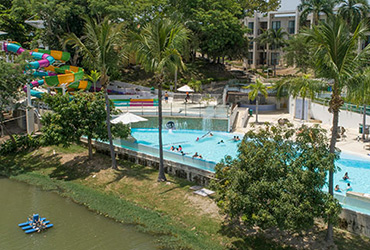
359 94
353 11
256 88
315 7
337 60
275 40
158 50
99 48
94 77
302 86
263 40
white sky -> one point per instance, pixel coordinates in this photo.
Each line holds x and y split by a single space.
289 4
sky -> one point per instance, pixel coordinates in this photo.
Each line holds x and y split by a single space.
289 4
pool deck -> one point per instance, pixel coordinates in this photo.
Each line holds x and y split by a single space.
347 144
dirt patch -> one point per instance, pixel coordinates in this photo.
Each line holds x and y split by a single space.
204 205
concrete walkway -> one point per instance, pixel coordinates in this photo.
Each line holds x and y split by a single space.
348 144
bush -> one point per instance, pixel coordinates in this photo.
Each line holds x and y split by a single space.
22 143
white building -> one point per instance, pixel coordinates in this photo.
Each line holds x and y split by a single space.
288 21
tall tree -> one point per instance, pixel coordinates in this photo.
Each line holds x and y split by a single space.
275 39
353 11
337 60
158 48
277 180
298 53
256 89
100 49
12 78
315 7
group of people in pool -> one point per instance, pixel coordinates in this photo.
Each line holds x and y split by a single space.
179 149
345 178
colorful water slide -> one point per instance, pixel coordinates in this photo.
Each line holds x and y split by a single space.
70 76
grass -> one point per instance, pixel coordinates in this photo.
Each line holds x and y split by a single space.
131 195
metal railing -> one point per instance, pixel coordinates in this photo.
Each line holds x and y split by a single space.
346 106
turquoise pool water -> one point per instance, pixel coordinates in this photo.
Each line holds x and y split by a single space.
208 146
358 169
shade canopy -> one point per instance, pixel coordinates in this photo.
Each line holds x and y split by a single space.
128 118
185 88
2 33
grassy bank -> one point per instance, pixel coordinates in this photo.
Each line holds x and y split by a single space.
179 219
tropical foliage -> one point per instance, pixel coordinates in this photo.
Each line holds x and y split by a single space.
72 118
337 59
158 47
277 179
100 49
256 89
353 11
315 7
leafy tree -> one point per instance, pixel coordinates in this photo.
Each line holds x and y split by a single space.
257 88
298 53
337 59
100 49
275 39
277 179
302 86
221 34
12 78
353 11
14 24
83 114
315 7
262 6
94 77
359 94
157 49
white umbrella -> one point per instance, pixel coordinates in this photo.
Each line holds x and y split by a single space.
2 33
128 118
185 88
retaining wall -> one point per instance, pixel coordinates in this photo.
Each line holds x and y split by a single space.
199 176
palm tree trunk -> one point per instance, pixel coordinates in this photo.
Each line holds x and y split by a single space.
303 109
257 109
175 81
364 123
161 175
333 141
112 154
90 147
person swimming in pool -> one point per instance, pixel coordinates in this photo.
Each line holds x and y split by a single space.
222 141
349 188
337 189
197 139
195 155
346 177
173 148
237 138
179 148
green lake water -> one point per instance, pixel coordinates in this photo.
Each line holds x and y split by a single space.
75 227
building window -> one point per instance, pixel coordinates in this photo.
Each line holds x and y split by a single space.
291 26
251 27
275 58
250 45
275 25
250 58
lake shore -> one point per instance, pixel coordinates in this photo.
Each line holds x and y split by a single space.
131 195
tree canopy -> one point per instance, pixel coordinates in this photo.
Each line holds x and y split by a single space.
277 180
83 114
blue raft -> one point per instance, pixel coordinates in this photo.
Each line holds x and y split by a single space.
35 224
